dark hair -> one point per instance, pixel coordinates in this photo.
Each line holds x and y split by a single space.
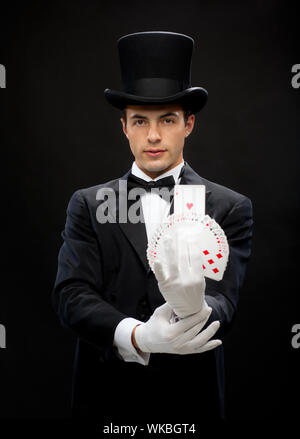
186 114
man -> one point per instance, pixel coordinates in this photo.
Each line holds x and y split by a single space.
133 361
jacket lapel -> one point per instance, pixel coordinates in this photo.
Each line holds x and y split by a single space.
136 233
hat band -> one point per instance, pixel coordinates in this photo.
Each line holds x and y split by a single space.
155 87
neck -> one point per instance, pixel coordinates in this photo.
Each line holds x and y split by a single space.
155 174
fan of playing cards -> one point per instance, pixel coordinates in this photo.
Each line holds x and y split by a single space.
206 231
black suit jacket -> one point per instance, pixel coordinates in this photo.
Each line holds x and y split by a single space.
103 277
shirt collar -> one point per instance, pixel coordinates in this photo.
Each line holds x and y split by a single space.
135 170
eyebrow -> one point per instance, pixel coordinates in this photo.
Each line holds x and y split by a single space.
139 116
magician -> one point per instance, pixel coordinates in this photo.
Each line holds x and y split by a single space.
132 361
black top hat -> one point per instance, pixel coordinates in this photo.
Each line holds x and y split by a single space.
155 69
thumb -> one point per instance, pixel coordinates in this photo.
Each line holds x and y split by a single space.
164 311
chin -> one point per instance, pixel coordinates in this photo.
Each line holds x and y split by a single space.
156 167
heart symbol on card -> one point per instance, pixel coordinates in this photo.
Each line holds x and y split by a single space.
189 205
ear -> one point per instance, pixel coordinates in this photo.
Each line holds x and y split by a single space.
124 126
189 125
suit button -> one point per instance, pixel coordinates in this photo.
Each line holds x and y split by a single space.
144 303
143 316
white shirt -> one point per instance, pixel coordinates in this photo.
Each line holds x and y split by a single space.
155 209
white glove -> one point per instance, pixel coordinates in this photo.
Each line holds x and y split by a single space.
182 337
179 273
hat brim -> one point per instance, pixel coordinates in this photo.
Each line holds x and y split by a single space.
193 99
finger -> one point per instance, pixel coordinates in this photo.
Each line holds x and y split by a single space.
202 338
183 254
197 261
188 335
159 271
164 311
190 245
189 322
212 344
169 254
204 310
201 316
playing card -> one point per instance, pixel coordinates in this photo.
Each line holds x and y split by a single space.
205 231
214 248
189 198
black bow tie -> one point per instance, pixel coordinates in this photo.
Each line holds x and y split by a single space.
134 181
167 182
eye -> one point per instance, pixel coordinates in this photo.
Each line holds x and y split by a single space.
168 121
139 122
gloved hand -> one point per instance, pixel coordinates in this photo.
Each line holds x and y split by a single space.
183 337
179 273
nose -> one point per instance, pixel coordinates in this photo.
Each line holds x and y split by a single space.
153 134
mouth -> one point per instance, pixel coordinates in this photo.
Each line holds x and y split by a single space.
155 152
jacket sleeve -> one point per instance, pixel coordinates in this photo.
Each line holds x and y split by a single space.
77 296
223 295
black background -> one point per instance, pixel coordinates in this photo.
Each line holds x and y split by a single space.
58 134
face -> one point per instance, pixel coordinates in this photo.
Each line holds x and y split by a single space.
156 135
